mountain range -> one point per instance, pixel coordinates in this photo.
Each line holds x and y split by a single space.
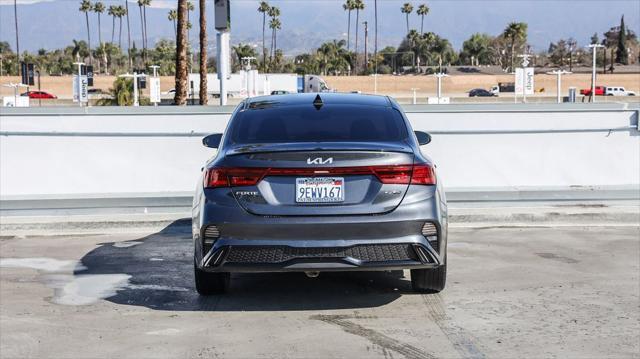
51 24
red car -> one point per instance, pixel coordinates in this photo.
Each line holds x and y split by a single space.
39 95
599 91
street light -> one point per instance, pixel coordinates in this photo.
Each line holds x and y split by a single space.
594 48
559 74
439 76
135 77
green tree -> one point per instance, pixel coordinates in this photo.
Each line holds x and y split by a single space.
477 48
622 53
407 9
264 9
595 39
121 94
422 11
516 34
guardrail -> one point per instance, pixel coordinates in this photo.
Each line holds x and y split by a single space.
480 150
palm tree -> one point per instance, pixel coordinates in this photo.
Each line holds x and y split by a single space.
190 8
274 12
181 54
144 42
274 25
113 12
173 16
348 6
515 32
264 9
85 7
99 8
126 13
146 34
121 12
357 6
15 14
406 9
203 53
422 11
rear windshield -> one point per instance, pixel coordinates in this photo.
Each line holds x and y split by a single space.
335 123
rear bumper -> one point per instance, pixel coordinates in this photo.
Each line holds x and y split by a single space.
326 255
252 243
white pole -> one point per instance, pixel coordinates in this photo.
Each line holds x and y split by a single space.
155 74
222 38
415 99
135 89
594 47
79 82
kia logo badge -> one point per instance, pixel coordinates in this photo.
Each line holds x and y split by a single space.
319 161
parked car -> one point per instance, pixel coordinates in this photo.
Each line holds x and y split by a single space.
280 92
39 95
599 90
618 91
481 93
319 182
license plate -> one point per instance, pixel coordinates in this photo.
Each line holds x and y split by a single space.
320 190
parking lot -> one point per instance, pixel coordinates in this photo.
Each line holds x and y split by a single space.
512 292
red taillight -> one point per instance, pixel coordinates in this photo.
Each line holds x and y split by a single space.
421 174
234 177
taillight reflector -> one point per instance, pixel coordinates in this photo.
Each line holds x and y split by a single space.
420 174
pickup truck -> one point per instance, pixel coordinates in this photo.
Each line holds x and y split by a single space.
617 91
599 91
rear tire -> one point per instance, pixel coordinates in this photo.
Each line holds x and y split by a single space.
430 280
210 283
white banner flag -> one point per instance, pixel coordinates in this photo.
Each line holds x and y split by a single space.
154 89
524 81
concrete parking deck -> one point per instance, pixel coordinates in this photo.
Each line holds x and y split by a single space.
569 292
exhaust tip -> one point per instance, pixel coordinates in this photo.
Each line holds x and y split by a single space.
312 274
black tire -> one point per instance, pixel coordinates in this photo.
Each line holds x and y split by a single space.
429 280
210 283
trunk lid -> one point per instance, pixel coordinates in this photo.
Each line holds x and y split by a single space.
291 167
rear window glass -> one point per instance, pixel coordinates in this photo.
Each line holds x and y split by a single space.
334 123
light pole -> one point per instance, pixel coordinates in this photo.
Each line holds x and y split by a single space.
559 74
415 99
594 48
439 76
135 77
154 86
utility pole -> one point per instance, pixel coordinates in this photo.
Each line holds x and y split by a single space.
559 74
366 40
594 48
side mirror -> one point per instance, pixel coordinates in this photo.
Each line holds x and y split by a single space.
423 137
212 141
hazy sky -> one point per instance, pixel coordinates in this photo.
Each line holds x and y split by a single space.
306 23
